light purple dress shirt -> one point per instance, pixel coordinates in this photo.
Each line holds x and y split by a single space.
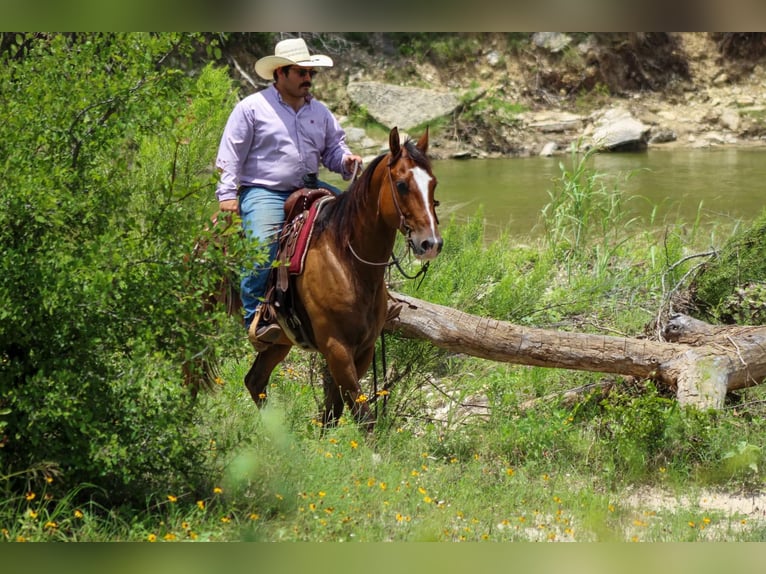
267 143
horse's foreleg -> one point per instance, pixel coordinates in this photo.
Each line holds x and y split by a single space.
257 378
333 401
346 388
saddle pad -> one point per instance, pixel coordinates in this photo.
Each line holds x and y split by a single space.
298 257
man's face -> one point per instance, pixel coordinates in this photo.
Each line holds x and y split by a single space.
297 80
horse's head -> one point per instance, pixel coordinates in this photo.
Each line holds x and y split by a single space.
412 203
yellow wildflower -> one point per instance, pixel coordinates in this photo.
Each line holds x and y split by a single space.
354 444
172 499
30 496
169 536
254 516
50 524
152 538
78 513
201 504
218 490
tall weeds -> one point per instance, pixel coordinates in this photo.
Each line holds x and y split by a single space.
585 216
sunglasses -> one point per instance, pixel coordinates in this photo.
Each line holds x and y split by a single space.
303 72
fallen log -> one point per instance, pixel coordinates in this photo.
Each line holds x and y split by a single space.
718 359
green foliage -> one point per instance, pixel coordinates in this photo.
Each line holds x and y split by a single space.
108 185
584 219
729 288
484 279
440 48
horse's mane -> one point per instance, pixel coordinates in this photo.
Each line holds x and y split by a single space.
340 215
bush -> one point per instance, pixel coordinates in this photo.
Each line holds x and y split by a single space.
107 184
729 288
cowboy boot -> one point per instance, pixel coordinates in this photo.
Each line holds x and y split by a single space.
263 331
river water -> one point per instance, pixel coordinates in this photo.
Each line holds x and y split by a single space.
722 185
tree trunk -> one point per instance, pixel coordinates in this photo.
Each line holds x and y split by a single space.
701 363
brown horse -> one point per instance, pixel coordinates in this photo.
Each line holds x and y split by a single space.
342 292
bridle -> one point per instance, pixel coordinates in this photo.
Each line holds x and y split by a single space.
403 227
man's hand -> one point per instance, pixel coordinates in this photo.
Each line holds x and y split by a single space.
231 205
350 162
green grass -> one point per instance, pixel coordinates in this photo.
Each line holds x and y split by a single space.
464 449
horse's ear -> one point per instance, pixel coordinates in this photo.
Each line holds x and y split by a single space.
394 145
422 144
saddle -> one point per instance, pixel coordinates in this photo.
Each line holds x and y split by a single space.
301 210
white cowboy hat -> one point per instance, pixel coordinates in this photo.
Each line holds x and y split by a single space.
292 52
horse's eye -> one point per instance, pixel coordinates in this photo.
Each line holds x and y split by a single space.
402 188
436 203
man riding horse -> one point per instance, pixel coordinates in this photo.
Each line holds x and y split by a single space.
273 139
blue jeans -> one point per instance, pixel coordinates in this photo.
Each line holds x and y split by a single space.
263 215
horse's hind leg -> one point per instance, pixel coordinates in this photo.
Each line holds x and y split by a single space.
257 377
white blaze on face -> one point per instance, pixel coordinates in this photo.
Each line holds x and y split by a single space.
422 179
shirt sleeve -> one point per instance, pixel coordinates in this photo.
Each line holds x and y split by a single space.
335 147
235 142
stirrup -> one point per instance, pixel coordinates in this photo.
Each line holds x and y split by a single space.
261 335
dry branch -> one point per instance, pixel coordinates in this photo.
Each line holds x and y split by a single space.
720 359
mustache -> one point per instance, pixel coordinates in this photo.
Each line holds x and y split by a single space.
306 85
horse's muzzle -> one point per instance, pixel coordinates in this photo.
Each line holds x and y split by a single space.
428 248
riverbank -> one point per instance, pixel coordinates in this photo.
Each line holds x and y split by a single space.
521 99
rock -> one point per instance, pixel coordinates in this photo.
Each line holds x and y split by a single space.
552 41
617 130
662 135
729 119
354 134
549 149
552 121
399 106
721 79
493 58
